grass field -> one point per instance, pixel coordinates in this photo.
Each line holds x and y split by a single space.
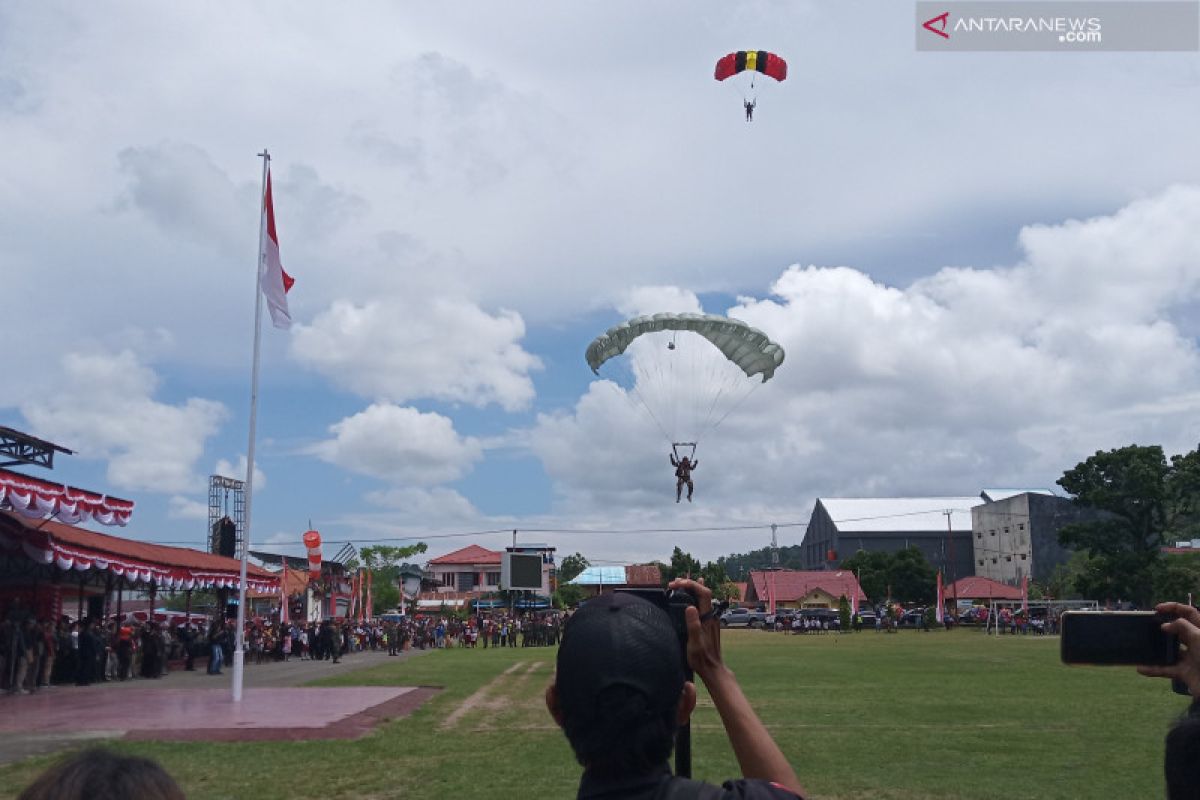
909 715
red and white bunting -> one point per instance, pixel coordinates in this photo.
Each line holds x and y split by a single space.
43 548
38 499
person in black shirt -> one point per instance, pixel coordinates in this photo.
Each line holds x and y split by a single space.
620 694
1181 764
88 654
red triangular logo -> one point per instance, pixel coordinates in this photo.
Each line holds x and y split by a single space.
938 24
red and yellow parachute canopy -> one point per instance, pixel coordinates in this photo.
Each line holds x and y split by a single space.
757 60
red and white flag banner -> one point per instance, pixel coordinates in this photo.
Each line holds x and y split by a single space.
369 608
276 283
941 600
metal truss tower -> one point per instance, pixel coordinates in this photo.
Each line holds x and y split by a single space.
226 498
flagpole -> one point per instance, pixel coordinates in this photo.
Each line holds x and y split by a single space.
239 653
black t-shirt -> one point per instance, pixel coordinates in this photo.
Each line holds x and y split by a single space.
662 785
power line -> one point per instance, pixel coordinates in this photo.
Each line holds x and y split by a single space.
596 531
592 531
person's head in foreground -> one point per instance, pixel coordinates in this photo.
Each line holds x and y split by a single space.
621 693
98 774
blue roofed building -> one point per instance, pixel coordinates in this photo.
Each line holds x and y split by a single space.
605 580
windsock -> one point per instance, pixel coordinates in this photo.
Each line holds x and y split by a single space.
312 540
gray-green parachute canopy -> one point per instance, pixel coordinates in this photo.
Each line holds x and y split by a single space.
747 347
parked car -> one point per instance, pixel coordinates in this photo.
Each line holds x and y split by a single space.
911 619
743 618
868 619
973 616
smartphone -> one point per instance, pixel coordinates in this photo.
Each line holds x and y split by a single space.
1117 637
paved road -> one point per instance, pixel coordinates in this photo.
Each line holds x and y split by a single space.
15 746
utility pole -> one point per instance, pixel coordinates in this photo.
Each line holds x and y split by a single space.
950 548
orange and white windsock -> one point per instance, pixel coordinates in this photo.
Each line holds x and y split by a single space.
312 541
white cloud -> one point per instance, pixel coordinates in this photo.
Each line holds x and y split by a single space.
970 377
436 347
416 504
401 445
103 406
656 299
180 188
180 507
238 472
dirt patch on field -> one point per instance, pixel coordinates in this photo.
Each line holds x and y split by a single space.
495 695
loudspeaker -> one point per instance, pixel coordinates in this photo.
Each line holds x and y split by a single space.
225 538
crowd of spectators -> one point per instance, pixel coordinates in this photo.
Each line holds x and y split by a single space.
486 630
37 655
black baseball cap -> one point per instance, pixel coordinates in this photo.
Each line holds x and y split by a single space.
619 640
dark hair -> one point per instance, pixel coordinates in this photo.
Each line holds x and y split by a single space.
1182 759
622 733
98 774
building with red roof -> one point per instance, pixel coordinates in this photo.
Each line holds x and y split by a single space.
470 555
979 588
470 569
789 588
45 565
466 575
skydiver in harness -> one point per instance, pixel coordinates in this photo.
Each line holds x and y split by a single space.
750 104
683 474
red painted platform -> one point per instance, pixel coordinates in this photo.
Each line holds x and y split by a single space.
211 714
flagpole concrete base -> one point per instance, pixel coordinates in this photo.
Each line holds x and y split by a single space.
238 662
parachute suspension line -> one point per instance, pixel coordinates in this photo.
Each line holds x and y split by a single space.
649 411
673 402
737 405
715 375
720 379
651 380
712 407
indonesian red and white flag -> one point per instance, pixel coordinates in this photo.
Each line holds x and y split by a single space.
369 606
283 598
275 282
941 600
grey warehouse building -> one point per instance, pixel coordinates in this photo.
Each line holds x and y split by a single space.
1015 534
839 527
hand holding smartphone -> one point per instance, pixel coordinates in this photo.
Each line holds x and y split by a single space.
1130 638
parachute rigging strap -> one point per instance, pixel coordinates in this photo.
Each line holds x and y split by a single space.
675 449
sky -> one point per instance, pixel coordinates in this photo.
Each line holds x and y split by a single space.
983 267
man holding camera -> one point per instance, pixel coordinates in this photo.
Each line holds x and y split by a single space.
1182 757
621 694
